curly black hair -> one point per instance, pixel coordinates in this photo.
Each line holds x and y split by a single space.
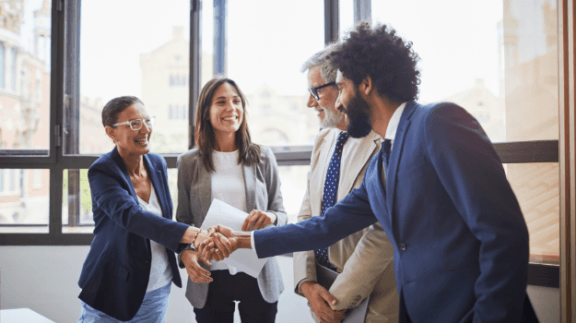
379 53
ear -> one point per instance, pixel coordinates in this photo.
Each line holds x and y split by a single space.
110 132
366 86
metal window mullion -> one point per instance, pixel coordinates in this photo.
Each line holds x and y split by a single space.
331 21
362 10
71 105
220 35
56 99
194 84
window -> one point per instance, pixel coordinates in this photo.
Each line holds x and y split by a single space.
2 64
13 72
509 83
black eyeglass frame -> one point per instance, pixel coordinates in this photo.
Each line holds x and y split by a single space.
314 90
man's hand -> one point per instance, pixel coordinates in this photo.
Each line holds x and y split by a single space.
319 298
220 244
195 271
257 220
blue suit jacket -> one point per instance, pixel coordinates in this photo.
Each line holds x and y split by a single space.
460 240
115 274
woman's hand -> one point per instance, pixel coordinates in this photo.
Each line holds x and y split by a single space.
221 244
198 274
257 220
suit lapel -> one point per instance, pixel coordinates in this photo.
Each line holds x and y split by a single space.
120 162
317 183
156 179
362 151
204 188
250 182
398 146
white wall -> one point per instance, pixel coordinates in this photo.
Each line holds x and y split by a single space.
44 279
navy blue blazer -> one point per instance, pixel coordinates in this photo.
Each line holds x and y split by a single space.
116 271
460 240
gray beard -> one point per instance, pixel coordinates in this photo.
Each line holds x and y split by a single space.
331 119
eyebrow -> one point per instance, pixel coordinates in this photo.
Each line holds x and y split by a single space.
223 97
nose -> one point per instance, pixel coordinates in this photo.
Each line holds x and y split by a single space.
311 101
145 128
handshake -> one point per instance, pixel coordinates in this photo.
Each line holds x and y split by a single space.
218 243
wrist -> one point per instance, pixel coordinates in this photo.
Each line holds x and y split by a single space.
305 286
244 241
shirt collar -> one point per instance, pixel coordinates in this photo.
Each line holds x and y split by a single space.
394 121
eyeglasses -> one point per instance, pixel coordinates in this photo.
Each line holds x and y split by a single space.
136 124
314 90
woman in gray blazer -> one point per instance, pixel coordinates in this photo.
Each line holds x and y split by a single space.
228 166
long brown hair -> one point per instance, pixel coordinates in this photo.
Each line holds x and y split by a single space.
249 153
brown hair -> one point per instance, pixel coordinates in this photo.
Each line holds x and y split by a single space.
249 153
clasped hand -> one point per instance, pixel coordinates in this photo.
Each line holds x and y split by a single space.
221 241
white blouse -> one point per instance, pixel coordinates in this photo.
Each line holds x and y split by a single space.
228 186
160 271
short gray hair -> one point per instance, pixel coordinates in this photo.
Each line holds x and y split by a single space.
327 72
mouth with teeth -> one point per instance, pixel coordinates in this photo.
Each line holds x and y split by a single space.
230 118
141 141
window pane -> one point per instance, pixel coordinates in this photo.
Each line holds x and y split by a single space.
77 216
500 63
293 187
345 16
536 187
25 76
147 57
24 200
264 57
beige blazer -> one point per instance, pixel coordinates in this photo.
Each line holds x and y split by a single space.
262 193
365 258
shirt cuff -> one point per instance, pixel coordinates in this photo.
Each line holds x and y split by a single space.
300 284
253 243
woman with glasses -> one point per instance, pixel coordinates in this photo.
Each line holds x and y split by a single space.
131 264
226 165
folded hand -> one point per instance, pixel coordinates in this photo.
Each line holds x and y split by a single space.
257 220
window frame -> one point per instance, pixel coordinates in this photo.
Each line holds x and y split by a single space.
64 94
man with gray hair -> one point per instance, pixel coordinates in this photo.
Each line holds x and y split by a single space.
364 259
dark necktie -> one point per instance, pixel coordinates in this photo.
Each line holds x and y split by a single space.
386 145
330 189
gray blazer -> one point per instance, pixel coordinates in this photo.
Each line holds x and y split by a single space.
262 193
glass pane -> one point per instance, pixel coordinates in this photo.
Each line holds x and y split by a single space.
264 57
293 187
25 76
206 42
500 63
24 200
147 57
536 187
77 214
345 16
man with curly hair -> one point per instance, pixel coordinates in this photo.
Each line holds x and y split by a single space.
437 187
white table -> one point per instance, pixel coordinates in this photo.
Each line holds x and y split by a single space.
22 315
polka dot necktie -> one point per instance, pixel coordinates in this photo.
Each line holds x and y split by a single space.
330 189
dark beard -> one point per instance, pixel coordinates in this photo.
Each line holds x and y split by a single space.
358 111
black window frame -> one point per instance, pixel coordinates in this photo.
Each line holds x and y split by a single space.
64 98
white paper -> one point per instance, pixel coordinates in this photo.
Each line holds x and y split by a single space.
225 214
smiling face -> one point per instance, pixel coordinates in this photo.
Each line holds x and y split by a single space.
329 116
226 110
128 141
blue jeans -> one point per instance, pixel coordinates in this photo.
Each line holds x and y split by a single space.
152 310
